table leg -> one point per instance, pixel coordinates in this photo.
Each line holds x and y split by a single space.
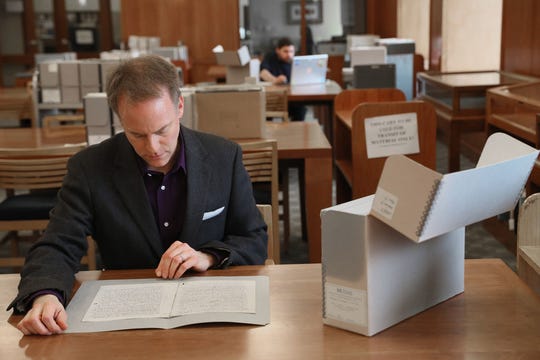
318 195
454 147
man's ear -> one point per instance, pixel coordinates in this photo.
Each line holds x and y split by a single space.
180 107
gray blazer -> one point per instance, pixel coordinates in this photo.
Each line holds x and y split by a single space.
103 195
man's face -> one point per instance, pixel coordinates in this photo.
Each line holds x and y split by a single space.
152 128
285 53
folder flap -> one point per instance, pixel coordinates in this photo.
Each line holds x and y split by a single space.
421 203
404 195
501 147
469 196
360 206
238 57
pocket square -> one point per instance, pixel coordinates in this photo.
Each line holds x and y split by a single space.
213 213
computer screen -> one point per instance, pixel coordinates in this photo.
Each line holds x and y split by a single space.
309 69
374 76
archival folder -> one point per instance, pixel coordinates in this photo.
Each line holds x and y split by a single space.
106 305
393 254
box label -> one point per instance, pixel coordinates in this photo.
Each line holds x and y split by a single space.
392 135
385 203
345 304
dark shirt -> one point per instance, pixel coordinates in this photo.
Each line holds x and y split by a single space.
275 66
167 196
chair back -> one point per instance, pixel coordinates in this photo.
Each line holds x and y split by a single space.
528 242
367 171
260 161
335 68
31 169
266 212
350 98
277 105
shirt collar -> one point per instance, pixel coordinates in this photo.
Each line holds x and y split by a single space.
180 158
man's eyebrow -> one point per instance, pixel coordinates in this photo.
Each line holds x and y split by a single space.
153 132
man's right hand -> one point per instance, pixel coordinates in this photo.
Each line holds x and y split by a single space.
46 317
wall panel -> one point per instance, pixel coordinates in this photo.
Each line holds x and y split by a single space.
200 24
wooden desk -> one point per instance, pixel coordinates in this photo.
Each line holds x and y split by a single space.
515 109
302 141
459 99
317 94
15 103
305 142
21 138
496 317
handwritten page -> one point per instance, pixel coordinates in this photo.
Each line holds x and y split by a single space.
214 296
115 302
105 305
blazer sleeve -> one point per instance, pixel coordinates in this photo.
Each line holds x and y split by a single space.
54 259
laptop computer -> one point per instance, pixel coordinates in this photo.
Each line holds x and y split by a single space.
309 69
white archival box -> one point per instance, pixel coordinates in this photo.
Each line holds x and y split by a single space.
367 55
239 64
391 255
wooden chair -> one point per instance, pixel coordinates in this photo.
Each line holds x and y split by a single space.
277 105
335 68
260 161
347 100
528 242
358 175
266 212
31 179
344 104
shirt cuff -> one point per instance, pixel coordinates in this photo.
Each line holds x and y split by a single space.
221 255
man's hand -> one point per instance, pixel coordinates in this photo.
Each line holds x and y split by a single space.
280 80
179 258
46 317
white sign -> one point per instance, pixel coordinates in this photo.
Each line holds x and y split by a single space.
392 135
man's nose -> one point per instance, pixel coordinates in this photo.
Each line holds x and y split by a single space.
152 143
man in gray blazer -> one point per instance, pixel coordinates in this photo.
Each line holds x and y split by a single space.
157 196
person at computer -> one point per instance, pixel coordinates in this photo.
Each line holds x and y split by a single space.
276 68
158 195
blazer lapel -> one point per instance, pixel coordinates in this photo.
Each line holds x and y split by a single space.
129 184
198 176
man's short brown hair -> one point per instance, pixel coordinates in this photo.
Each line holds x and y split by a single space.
142 78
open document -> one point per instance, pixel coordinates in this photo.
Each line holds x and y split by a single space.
106 305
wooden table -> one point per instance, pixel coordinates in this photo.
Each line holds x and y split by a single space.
301 141
305 142
459 99
497 317
317 94
20 138
515 110
15 103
